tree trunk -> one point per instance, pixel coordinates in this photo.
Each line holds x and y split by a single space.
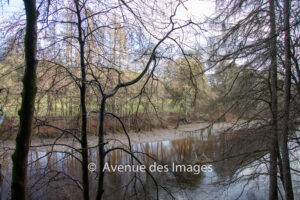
84 146
19 158
101 149
273 194
287 96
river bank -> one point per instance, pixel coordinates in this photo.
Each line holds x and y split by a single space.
120 139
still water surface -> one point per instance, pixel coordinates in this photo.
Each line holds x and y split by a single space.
237 170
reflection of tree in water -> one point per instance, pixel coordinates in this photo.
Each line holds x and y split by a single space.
185 152
236 150
227 153
181 150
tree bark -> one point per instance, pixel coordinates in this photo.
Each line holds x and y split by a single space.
101 149
19 158
84 145
287 96
273 194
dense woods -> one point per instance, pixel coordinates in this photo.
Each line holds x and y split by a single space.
84 70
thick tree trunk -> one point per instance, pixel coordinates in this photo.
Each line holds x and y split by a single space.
287 96
101 149
273 194
19 158
84 145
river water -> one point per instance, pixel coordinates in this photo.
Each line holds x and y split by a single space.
235 168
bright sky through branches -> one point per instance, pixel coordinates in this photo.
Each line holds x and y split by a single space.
194 9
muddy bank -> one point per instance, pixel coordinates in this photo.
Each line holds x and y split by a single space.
120 139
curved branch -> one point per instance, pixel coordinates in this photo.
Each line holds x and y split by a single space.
123 126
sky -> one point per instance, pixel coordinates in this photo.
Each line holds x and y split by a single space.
198 8
195 8
8 9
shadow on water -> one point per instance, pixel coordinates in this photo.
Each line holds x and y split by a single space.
230 160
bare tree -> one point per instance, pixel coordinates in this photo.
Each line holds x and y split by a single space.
244 40
84 145
108 93
287 181
19 158
273 194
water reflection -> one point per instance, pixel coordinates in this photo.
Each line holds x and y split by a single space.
57 175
